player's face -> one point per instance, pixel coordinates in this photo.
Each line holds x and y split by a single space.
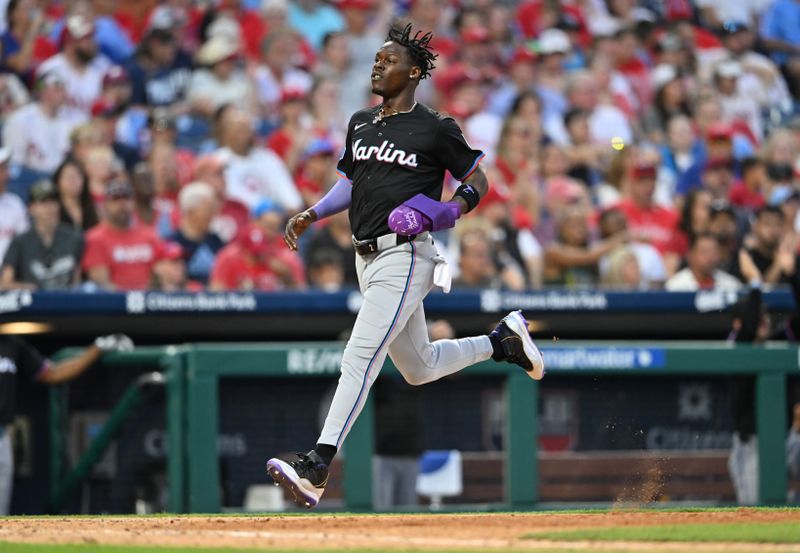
392 71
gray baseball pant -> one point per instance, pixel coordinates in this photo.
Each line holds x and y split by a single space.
393 283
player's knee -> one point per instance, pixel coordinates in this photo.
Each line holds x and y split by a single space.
415 379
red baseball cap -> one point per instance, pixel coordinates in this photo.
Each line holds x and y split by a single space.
719 131
644 170
115 75
105 108
254 241
356 5
564 188
476 35
293 94
171 251
523 55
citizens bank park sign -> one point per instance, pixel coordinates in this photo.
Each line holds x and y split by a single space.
156 302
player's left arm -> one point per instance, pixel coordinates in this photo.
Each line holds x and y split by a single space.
478 182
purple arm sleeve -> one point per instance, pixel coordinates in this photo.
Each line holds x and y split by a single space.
337 199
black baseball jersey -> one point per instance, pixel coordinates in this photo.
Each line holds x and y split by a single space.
16 357
48 267
392 160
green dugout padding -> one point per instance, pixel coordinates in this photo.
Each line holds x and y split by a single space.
193 372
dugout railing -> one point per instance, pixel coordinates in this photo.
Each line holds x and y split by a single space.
193 372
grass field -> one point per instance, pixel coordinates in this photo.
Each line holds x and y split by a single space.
649 530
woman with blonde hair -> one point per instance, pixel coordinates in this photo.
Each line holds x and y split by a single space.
622 271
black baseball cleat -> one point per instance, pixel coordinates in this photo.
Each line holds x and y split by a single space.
516 345
305 476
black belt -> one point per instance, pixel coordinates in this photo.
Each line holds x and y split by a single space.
373 245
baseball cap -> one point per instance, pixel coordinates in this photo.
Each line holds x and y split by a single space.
254 241
5 154
663 74
355 5
457 109
274 7
319 146
564 188
293 94
42 190
225 27
732 27
118 189
210 163
216 50
165 18
729 69
554 41
670 42
644 169
265 206
171 251
476 35
606 27
49 78
721 206
457 76
523 55
103 108
719 131
115 75
79 26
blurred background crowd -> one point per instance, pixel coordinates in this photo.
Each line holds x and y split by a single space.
630 144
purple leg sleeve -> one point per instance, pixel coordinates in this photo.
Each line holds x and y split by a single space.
337 199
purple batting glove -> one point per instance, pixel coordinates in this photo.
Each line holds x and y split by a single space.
421 213
406 221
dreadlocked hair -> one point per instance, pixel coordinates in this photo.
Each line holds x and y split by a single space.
418 47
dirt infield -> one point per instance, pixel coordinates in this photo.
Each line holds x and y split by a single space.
385 532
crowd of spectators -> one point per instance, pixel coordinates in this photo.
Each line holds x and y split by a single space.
630 144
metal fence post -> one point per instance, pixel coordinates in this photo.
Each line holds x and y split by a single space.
522 433
202 431
59 399
771 431
359 449
173 367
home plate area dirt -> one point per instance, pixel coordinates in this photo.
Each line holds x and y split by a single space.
480 532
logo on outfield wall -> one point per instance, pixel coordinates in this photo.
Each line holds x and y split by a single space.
155 302
15 300
604 358
313 361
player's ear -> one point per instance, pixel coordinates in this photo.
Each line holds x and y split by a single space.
415 73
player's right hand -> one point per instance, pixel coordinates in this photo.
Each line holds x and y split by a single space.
296 226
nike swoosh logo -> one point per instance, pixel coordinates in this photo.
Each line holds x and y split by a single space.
358 126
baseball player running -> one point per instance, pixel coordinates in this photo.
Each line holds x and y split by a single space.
392 172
